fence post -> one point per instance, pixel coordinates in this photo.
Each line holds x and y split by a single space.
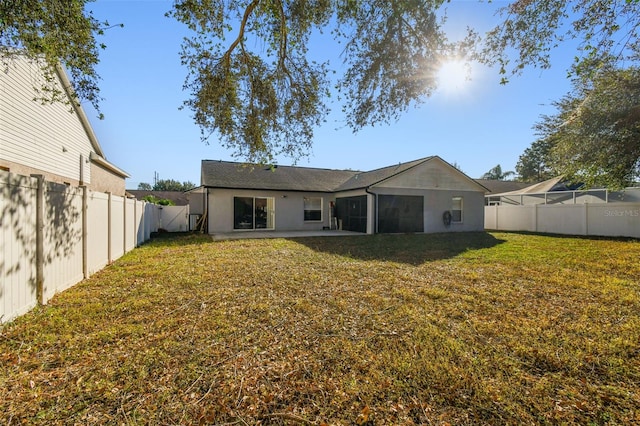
124 224
39 239
85 224
585 217
135 223
109 259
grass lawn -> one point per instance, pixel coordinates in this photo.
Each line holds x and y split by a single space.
460 329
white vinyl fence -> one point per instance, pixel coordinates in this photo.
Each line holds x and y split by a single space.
601 219
52 236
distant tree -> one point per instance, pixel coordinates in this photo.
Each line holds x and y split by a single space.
167 185
596 131
172 185
535 164
160 201
497 174
457 166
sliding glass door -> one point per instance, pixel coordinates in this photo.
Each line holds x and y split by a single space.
253 213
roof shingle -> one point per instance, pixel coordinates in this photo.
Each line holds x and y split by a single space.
225 174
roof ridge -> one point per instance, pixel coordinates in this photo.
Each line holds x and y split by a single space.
283 165
418 161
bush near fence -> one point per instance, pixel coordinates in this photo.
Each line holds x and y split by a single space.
52 236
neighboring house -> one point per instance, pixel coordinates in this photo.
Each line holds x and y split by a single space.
418 196
50 139
495 186
558 191
179 198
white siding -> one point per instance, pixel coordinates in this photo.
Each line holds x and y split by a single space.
46 137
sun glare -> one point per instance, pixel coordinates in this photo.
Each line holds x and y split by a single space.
453 76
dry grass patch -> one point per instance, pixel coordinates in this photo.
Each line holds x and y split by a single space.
405 329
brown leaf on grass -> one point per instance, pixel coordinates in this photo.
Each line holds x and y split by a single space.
363 418
467 329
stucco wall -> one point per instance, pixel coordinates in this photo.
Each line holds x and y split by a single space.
436 202
433 174
24 170
289 211
106 181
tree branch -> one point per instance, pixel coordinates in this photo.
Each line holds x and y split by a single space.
247 13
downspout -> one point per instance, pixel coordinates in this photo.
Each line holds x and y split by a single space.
375 209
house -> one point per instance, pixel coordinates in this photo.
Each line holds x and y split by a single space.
425 195
495 186
50 139
558 191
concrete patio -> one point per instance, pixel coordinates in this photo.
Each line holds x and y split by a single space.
282 234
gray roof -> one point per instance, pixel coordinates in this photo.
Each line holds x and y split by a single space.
366 179
498 186
536 188
225 174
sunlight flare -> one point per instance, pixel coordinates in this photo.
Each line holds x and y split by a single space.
453 76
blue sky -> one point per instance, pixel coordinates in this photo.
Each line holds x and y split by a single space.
478 126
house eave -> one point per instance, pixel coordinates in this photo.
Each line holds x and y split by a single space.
323 191
95 158
66 83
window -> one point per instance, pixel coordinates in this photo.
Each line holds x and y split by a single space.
456 209
253 213
312 209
